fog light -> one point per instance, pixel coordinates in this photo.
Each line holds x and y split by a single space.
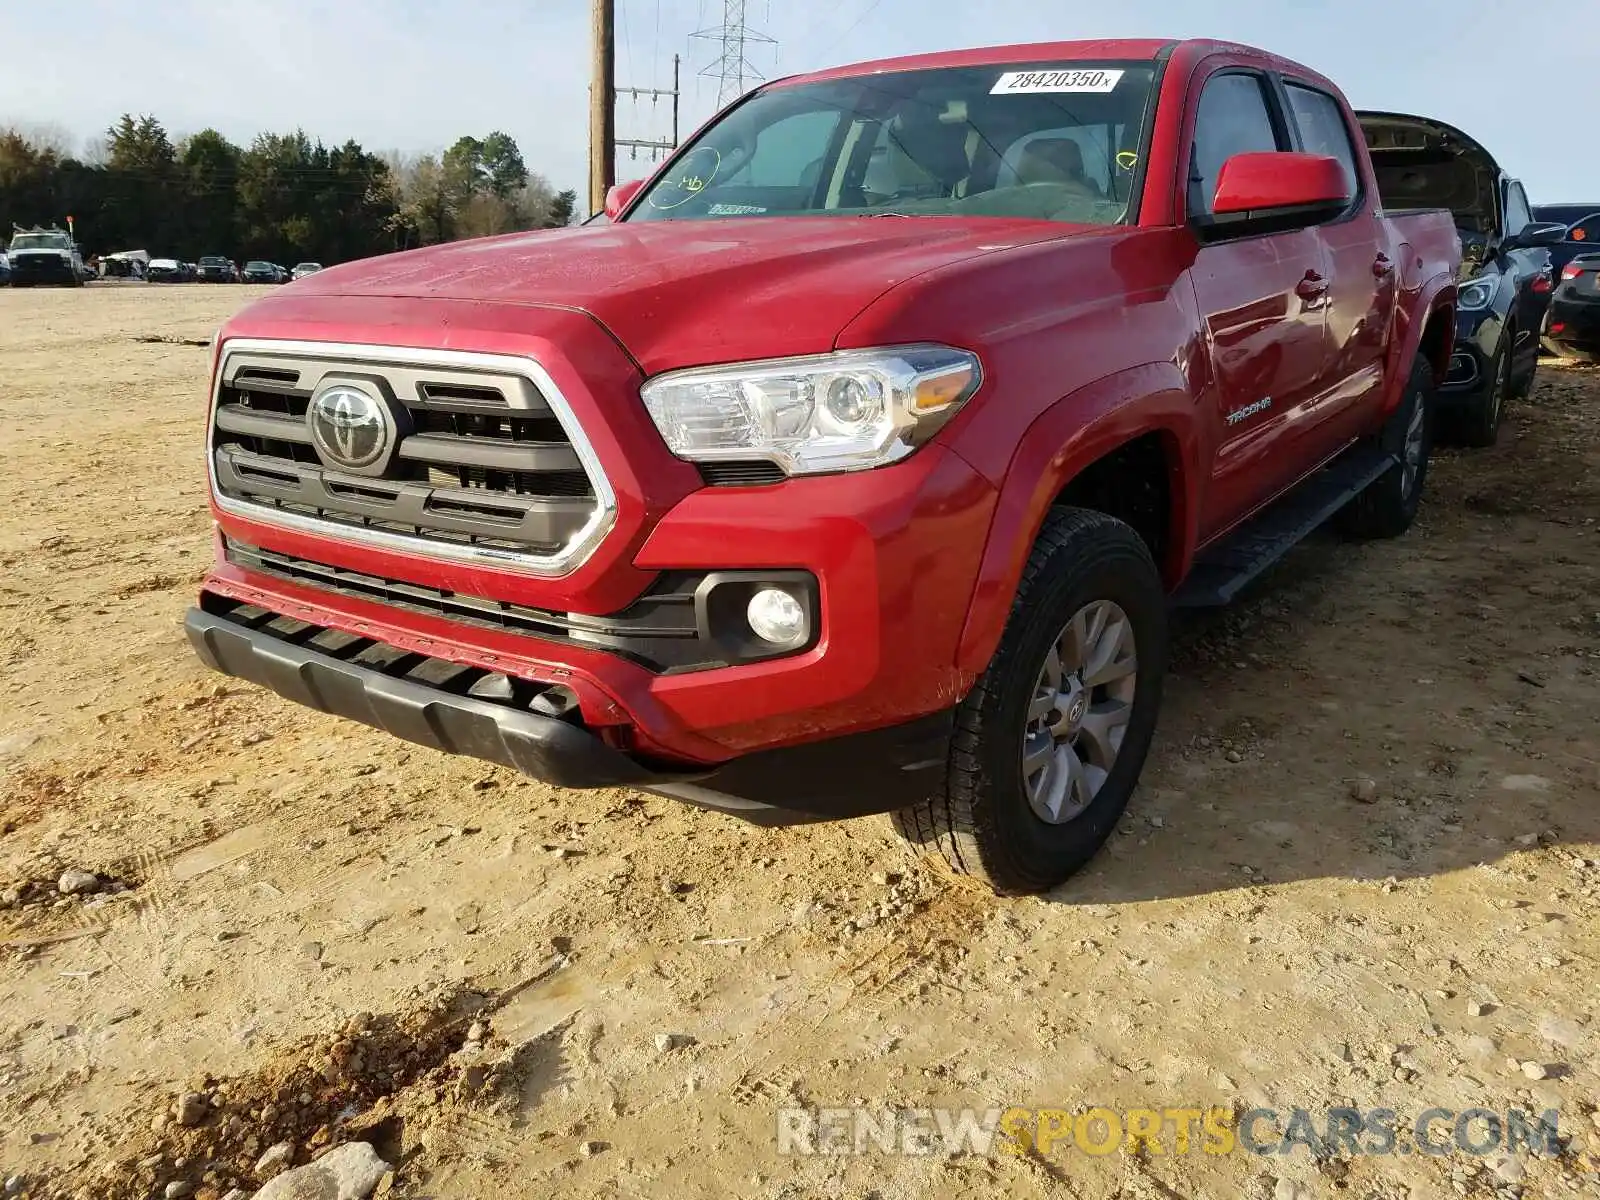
777 617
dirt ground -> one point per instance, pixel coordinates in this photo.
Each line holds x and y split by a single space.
516 991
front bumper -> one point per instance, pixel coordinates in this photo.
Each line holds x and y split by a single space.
41 269
878 771
894 554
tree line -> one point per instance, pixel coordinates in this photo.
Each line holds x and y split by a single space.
284 198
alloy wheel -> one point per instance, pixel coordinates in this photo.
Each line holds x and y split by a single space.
1079 711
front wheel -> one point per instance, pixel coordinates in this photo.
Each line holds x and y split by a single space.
1480 420
1050 742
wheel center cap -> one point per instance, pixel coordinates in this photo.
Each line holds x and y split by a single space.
1072 714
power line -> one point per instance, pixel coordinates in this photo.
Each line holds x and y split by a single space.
655 51
849 29
655 147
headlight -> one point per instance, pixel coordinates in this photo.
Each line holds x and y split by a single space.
847 411
1478 294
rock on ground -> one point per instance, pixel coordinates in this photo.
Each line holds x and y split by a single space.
349 1172
76 882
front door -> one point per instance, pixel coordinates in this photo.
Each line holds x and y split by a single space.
1263 303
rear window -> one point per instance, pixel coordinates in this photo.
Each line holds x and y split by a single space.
1055 141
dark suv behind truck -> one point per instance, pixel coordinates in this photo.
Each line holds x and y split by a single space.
1506 273
852 467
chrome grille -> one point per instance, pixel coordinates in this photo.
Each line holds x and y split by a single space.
488 465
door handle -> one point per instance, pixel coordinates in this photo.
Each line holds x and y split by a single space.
1312 286
1383 266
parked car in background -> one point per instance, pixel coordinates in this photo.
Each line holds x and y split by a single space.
125 264
1572 328
754 500
5 270
169 270
257 271
301 270
1506 278
45 256
213 268
1582 222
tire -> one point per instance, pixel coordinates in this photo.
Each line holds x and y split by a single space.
1524 386
1479 422
1388 505
981 822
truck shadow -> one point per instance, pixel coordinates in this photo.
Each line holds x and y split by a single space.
1376 713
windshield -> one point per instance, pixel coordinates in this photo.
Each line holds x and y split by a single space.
1058 141
257 266
41 241
213 262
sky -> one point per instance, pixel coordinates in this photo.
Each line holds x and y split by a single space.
412 76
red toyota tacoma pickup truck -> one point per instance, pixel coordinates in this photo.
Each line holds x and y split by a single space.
853 464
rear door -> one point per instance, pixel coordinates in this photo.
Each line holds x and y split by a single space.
1263 303
1361 276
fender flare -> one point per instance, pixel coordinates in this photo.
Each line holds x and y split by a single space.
1074 432
1436 295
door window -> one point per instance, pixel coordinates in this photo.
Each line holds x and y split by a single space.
1322 128
1233 118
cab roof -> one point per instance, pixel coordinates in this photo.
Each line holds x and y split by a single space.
1105 49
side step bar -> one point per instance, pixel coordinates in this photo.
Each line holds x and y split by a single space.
1222 570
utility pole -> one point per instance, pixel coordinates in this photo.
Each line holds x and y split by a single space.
602 103
655 144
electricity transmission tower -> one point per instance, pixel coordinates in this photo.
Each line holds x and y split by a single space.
732 67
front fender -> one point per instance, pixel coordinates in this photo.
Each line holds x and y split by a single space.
1067 437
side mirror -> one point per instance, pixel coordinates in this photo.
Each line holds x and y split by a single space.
619 195
1269 190
1539 233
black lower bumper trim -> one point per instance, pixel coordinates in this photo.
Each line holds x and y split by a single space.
546 748
854 775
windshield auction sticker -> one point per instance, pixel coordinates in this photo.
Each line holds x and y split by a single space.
1055 81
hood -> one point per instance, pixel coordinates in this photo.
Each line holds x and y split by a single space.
679 293
1421 162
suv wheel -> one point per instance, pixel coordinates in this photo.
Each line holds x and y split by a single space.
1390 502
1480 422
1050 742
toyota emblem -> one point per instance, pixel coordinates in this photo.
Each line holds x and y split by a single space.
350 428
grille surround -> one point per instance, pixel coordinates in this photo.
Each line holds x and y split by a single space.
412 372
